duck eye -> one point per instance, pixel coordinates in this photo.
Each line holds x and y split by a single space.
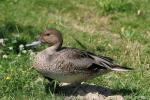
47 34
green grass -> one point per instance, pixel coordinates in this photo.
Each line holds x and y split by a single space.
114 28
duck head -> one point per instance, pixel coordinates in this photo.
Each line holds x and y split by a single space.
52 37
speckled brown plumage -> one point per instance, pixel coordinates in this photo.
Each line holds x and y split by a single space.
69 65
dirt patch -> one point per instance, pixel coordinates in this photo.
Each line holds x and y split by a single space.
89 92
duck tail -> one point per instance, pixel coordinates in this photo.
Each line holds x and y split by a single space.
120 68
107 63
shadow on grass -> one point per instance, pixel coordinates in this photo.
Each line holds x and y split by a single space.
124 91
84 89
10 27
81 90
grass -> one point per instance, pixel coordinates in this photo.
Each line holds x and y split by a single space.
115 28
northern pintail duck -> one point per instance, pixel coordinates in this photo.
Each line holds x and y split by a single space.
69 65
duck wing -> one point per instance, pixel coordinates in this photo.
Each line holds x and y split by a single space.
75 60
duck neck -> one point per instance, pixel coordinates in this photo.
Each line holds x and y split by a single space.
52 49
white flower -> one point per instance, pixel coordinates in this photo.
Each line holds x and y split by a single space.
10 48
5 56
139 12
24 51
21 47
2 41
19 55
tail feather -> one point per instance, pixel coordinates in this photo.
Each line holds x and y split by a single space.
119 68
107 63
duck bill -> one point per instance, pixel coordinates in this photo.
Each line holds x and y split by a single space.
34 43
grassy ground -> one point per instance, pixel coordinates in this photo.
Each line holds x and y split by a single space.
115 28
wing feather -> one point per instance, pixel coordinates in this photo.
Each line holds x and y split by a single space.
75 60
